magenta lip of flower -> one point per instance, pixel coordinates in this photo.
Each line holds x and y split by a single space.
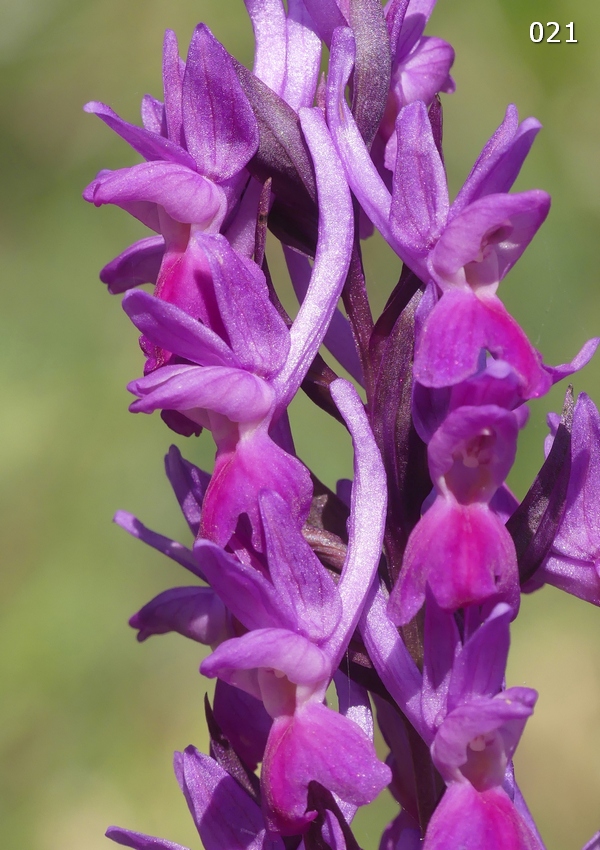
460 549
244 382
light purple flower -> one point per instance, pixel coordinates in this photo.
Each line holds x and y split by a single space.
299 625
196 145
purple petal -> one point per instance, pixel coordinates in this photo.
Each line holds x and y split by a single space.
139 841
480 667
250 596
150 145
460 325
256 464
402 833
579 533
220 128
420 194
478 738
580 360
392 660
318 744
270 42
185 277
194 612
332 258
172 83
504 503
144 211
441 643
234 393
303 57
257 333
185 195
140 263
224 814
426 71
326 15
170 548
278 650
302 583
241 231
244 722
169 327
473 451
152 111
574 561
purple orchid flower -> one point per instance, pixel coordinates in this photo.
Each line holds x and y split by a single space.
196 146
573 564
299 625
224 814
477 729
460 548
465 249
243 378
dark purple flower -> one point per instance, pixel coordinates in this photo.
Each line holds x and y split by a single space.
460 548
420 66
466 248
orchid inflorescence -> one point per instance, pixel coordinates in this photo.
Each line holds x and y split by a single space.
400 587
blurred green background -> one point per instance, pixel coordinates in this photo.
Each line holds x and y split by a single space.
89 719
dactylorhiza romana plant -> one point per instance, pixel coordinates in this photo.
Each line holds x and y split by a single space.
401 586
